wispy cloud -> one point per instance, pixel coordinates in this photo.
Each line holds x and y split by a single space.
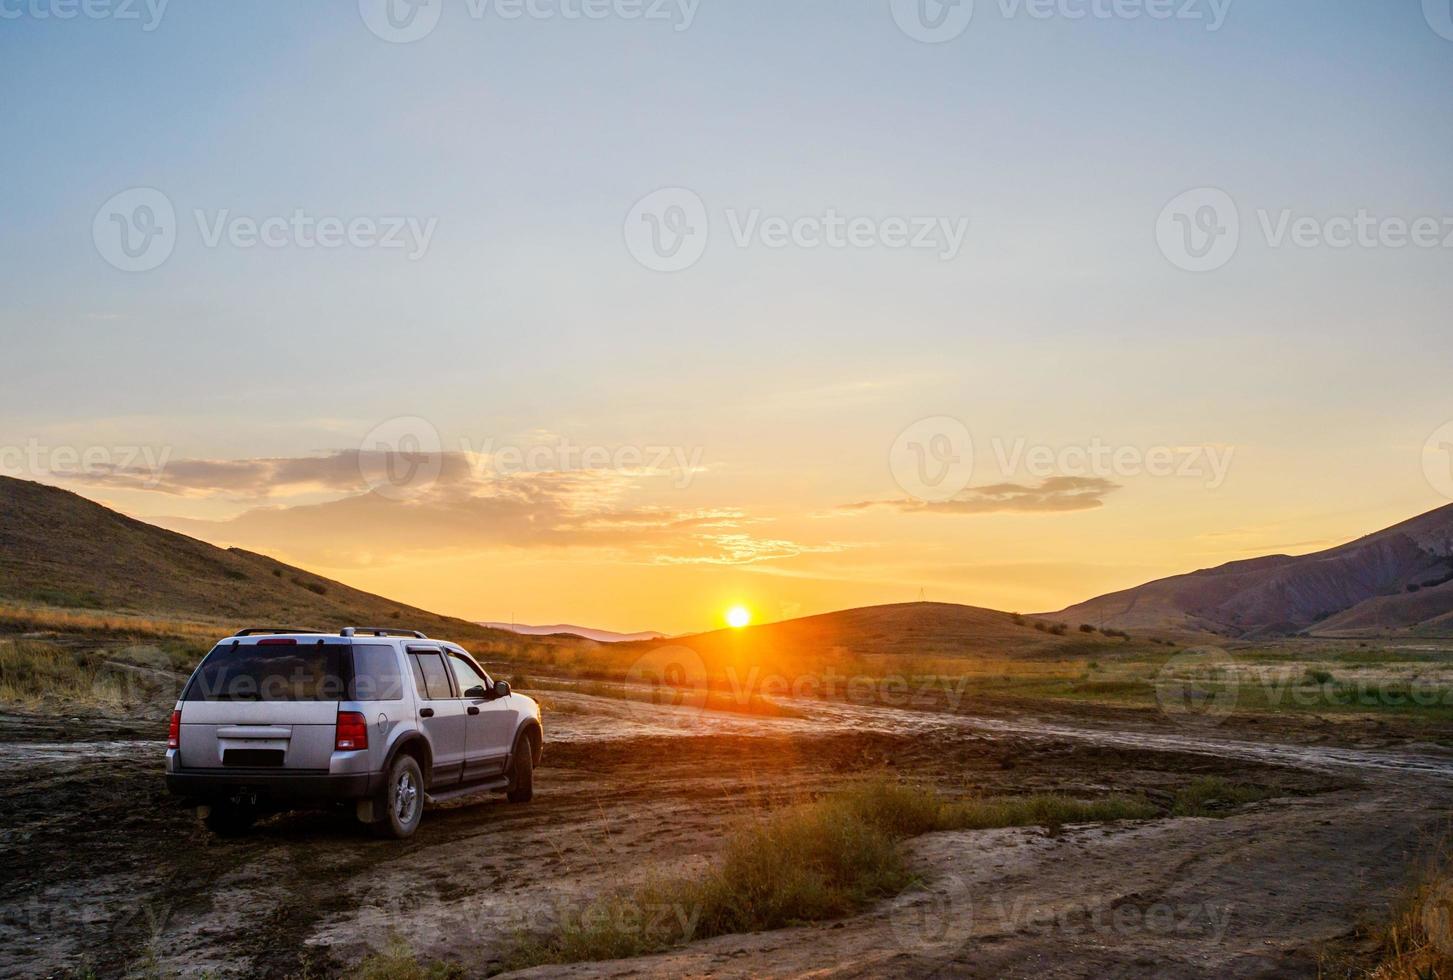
1056 494
465 507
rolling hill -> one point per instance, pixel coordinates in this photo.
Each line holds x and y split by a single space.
60 549
928 630
1399 580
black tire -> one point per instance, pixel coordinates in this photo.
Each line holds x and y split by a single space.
403 799
227 819
522 772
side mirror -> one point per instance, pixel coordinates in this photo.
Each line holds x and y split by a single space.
477 693
501 689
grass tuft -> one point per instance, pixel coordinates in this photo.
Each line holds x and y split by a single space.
398 962
1213 796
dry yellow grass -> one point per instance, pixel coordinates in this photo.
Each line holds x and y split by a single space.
1417 943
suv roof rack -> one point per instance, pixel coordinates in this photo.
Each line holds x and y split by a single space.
259 630
380 631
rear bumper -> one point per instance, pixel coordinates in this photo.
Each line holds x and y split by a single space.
298 788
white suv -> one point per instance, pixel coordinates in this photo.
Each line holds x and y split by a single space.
382 719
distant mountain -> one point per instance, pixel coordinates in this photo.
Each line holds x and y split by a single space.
599 636
1399 580
59 549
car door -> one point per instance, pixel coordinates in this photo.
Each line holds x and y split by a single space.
491 721
441 714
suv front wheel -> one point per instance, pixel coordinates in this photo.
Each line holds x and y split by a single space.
522 773
403 799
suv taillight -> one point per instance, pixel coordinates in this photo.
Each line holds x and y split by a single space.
352 732
174 731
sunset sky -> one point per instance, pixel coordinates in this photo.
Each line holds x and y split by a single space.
690 440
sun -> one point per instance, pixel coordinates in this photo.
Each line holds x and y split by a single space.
738 617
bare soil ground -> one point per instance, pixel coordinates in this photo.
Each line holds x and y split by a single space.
100 870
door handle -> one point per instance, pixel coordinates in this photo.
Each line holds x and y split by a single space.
473 709
426 712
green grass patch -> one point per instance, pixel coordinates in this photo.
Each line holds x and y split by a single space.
1213 796
398 962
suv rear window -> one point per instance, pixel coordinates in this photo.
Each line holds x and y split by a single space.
376 674
312 672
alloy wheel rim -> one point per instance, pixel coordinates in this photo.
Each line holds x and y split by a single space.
406 797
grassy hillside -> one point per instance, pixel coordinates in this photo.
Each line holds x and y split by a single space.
58 549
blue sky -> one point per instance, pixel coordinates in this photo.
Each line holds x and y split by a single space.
528 142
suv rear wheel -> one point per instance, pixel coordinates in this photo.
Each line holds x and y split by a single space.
522 773
403 799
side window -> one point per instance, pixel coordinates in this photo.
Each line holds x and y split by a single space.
436 678
466 674
375 673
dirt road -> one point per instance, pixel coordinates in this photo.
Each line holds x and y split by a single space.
100 869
